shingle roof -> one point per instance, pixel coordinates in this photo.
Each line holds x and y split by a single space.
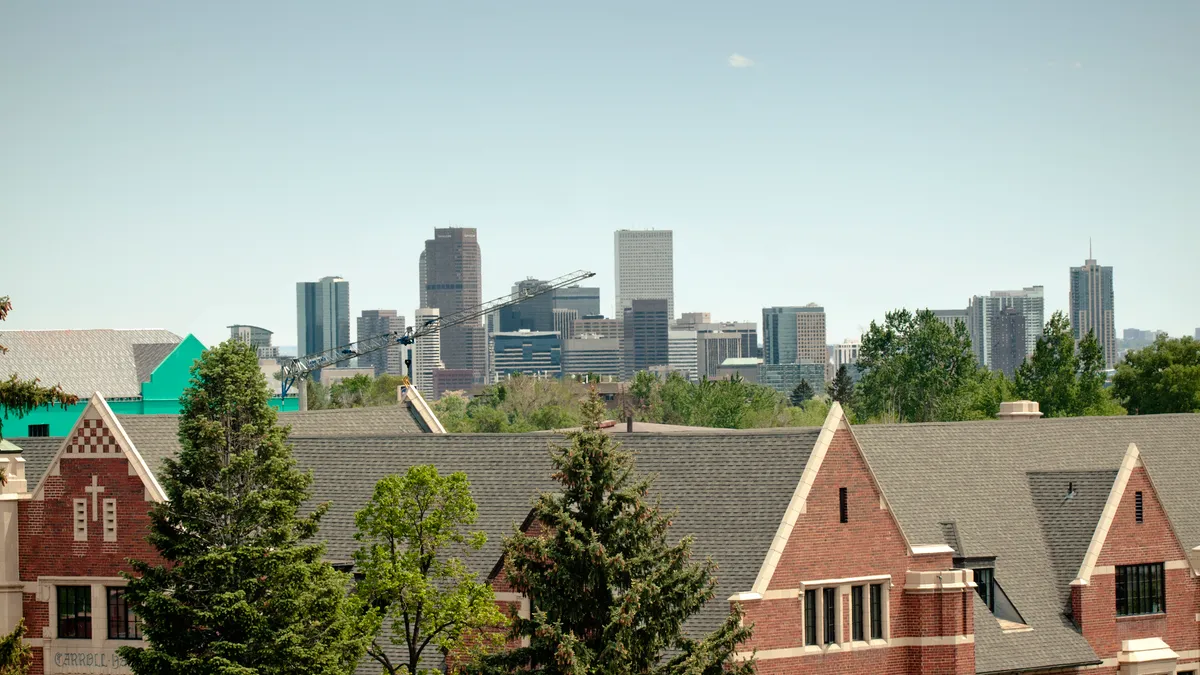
37 452
731 489
83 362
1001 483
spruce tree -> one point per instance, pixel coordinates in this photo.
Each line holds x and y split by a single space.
244 590
609 593
801 393
841 389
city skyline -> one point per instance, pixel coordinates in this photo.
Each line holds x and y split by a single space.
868 167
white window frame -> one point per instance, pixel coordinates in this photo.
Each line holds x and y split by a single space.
842 639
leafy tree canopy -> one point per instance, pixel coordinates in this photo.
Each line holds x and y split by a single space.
1161 378
16 656
610 593
1065 379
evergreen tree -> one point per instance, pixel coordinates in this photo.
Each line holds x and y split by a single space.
801 393
244 591
20 397
609 593
841 389
15 654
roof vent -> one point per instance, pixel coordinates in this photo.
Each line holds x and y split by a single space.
1019 410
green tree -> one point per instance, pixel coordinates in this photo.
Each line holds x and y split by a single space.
16 656
915 369
801 393
841 389
1066 380
412 531
351 392
451 411
642 389
1161 378
610 594
243 590
21 397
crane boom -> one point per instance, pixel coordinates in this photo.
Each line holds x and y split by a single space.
303 366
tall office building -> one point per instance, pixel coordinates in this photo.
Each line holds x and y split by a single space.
592 355
452 284
681 352
374 322
535 353
689 320
583 299
846 353
258 338
952 316
1198 333
421 270
645 268
646 342
982 311
599 326
1091 303
1007 347
564 322
712 349
794 335
746 330
426 353
322 315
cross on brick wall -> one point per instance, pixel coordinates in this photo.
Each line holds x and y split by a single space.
94 490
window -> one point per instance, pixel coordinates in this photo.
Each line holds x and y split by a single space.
810 617
39 430
123 623
985 586
843 505
856 613
1140 590
876 611
830 595
1137 506
75 612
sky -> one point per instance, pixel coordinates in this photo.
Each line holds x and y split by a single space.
183 165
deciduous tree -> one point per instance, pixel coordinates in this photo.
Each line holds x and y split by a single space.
413 532
610 593
1161 378
1067 380
243 589
16 656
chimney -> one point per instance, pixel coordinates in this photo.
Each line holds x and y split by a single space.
1019 410
629 424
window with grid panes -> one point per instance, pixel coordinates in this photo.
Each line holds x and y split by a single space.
830 594
856 613
810 617
74 612
1141 589
876 611
123 623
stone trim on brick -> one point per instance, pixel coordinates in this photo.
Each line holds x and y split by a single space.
797 652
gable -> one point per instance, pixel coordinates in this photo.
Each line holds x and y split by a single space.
169 378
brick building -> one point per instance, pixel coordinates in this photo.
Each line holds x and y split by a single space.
1016 545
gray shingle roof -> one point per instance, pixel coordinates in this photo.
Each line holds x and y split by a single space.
37 452
1002 483
84 362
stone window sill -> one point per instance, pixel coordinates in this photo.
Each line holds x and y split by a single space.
1142 617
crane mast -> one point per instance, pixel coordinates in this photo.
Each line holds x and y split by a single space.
299 368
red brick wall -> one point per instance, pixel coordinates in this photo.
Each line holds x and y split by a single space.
1128 543
870 544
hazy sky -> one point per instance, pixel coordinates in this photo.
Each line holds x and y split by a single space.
182 165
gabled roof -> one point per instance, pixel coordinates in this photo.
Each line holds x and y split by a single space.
114 363
998 482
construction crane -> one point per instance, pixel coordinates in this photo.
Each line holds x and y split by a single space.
298 369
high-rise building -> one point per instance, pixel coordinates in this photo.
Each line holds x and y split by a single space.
689 320
646 341
533 314
982 311
712 349
1007 348
421 268
258 338
783 377
1134 338
564 322
846 353
748 330
681 352
599 326
374 322
794 335
583 299
322 315
1091 302
645 268
452 284
537 353
446 379
1198 333
592 355
426 353
952 316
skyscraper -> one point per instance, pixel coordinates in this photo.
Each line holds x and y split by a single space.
322 315
645 268
646 342
681 352
982 310
452 284
258 338
794 335
374 322
1091 303
426 353
583 299
564 322
1007 349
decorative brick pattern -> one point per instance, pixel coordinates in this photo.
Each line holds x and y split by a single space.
92 437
